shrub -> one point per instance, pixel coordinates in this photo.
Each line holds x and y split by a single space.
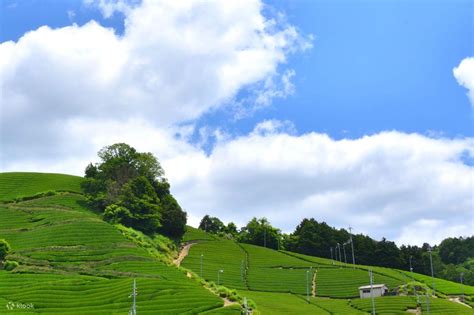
4 249
10 265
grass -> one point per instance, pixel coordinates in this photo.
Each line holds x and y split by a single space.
443 286
336 306
74 294
386 305
17 185
345 282
223 255
192 235
282 303
441 306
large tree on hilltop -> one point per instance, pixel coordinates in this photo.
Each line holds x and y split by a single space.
130 188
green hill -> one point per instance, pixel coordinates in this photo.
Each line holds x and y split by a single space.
279 281
17 185
72 262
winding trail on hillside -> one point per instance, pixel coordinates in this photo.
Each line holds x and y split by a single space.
313 284
458 300
183 253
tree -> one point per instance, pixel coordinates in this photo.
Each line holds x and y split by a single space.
456 250
173 218
130 188
211 224
260 232
231 229
388 254
4 249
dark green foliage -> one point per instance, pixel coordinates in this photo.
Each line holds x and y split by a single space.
211 224
260 232
173 218
129 187
456 250
316 239
231 229
4 249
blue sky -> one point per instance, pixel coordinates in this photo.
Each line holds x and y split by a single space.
375 65
352 112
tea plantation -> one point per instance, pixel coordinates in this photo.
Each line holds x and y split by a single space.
72 262
281 282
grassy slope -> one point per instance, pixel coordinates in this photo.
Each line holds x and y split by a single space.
276 280
14 185
72 262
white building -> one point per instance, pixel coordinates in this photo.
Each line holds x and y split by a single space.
377 290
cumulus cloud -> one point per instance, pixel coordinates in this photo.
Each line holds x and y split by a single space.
464 74
380 184
175 61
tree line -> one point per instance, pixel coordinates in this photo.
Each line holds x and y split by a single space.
451 257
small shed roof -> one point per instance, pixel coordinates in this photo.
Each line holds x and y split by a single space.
375 286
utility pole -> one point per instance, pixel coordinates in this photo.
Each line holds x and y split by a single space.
462 288
330 249
432 271
339 250
219 276
133 309
264 236
372 290
202 255
427 303
307 285
352 247
411 269
344 250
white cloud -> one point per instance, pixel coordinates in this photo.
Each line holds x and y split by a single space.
379 184
464 74
175 61
109 7
434 231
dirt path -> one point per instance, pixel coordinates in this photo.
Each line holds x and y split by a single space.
313 285
458 300
183 253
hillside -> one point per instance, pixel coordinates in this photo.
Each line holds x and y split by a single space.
279 281
72 262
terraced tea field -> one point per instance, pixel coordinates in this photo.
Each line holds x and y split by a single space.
277 280
72 262
15 185
386 305
218 255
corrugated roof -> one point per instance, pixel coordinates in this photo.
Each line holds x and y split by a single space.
373 286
